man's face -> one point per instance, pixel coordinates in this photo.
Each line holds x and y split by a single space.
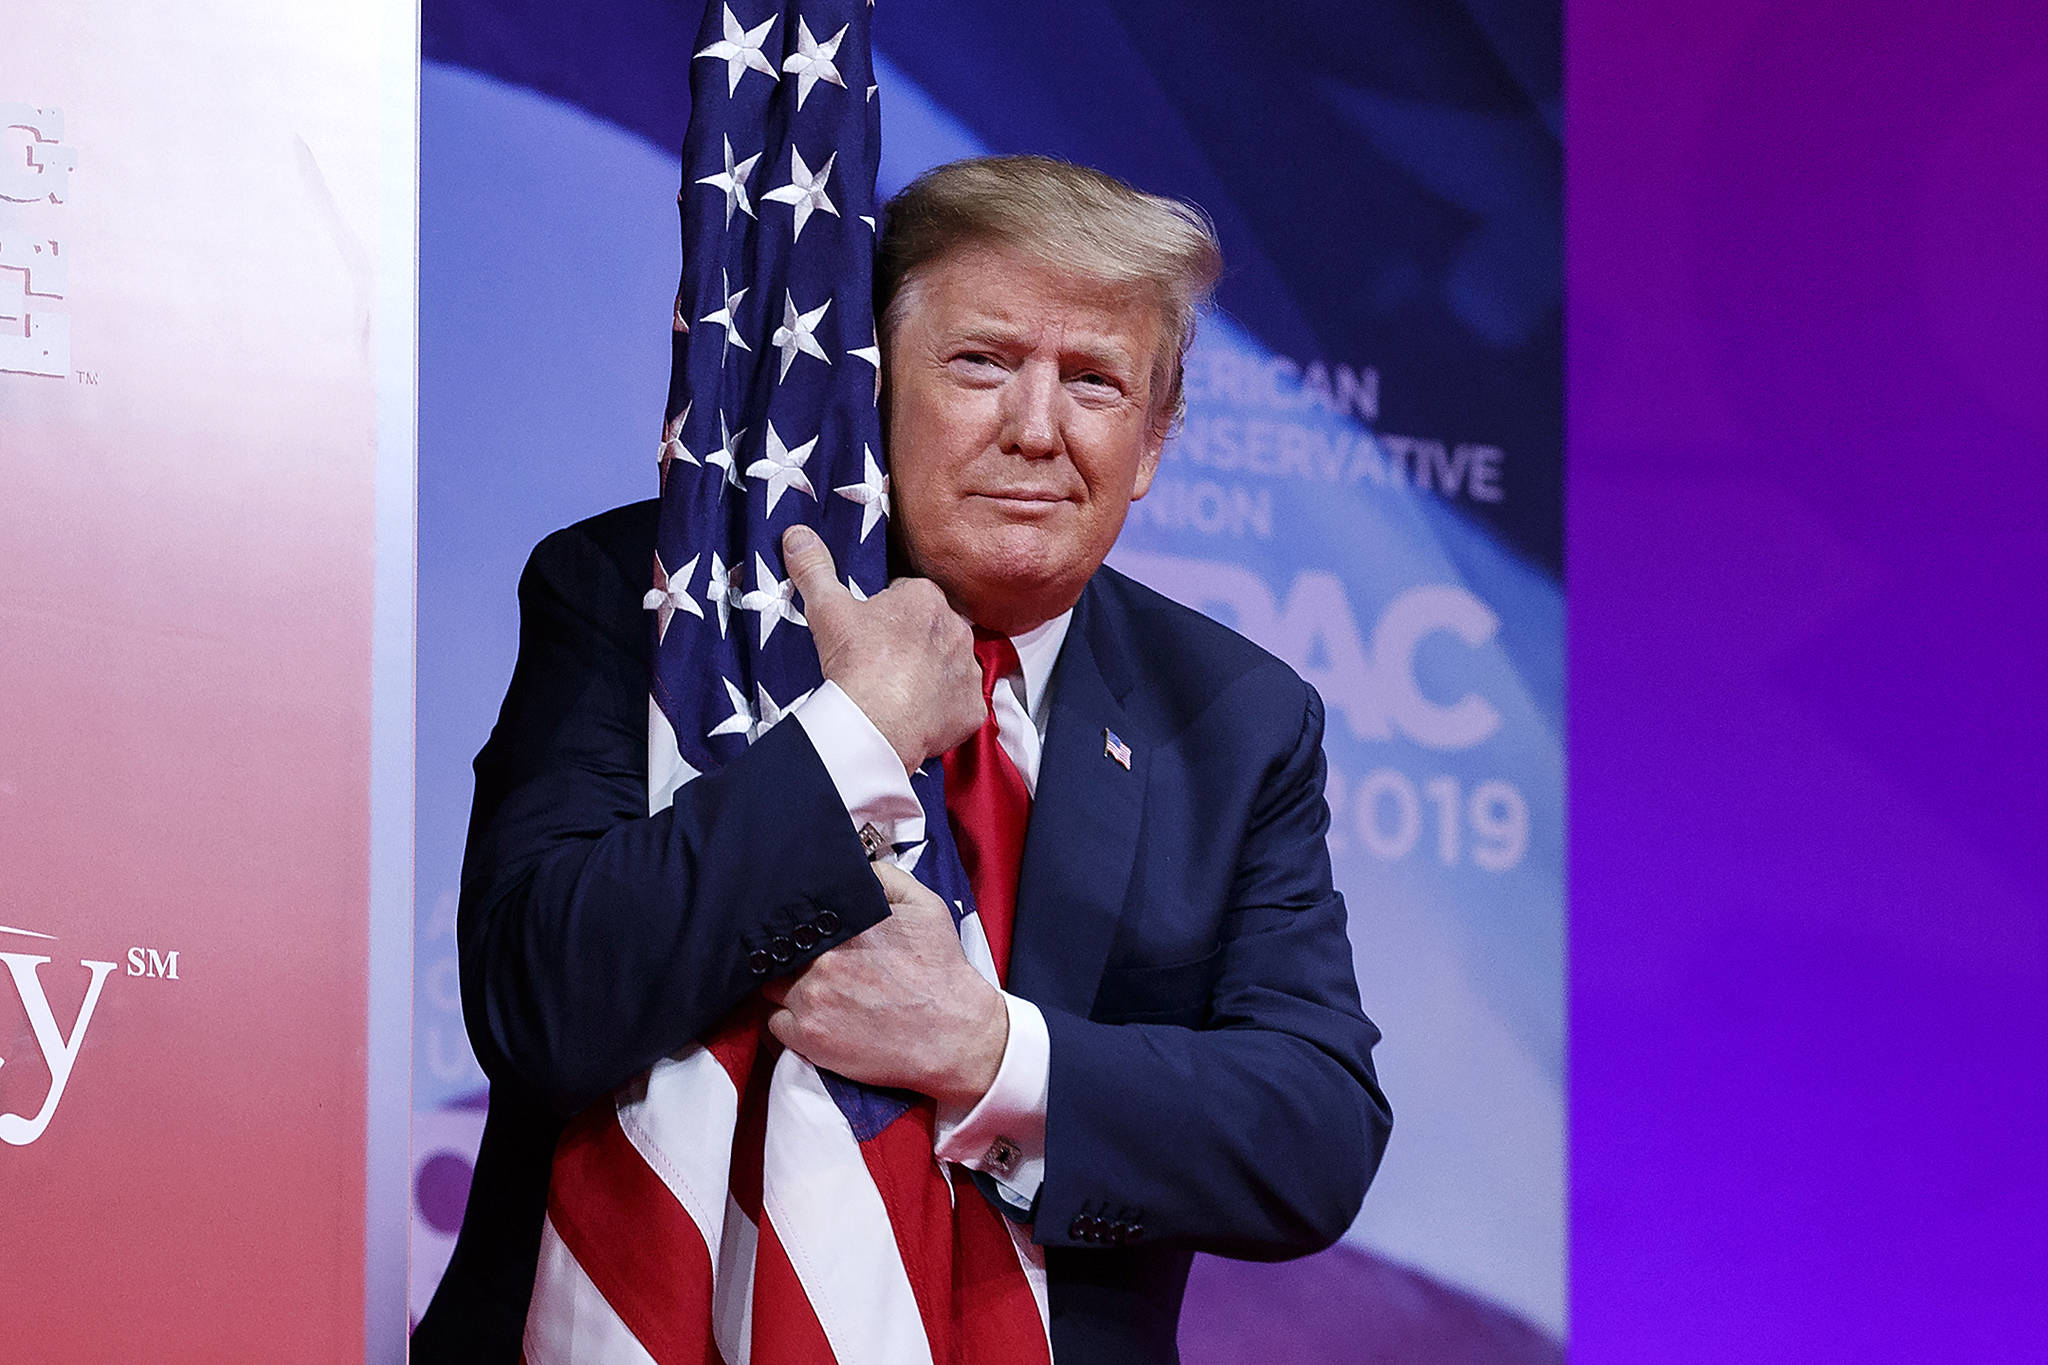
1021 429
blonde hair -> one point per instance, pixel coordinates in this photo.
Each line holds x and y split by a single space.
1070 216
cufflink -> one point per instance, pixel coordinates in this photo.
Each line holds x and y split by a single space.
871 841
1002 1157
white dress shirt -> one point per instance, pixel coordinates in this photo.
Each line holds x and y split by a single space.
1003 1135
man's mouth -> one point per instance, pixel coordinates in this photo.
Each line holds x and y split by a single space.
1023 495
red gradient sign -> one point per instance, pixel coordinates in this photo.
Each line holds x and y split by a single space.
189 210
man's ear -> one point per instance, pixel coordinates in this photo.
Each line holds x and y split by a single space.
1160 422
1148 458
1148 465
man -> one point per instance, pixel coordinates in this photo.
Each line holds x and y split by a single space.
1178 1061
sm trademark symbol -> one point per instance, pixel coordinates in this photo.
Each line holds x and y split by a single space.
150 962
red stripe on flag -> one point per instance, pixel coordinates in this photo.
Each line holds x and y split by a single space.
996 1318
786 1330
640 1248
733 1044
921 1215
743 1179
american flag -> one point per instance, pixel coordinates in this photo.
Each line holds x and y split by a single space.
735 1203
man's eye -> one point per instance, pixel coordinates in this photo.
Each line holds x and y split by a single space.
1098 381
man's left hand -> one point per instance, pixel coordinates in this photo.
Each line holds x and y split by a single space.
898 1004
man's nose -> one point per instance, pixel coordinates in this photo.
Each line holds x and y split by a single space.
1031 402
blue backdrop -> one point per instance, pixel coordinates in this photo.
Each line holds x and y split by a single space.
1368 484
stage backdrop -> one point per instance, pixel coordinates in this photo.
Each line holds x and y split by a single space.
206 422
1368 485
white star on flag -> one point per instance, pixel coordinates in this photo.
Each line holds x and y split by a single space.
812 61
872 353
672 447
798 333
722 591
860 594
783 468
771 713
741 721
805 190
773 598
726 316
740 50
872 493
671 594
749 721
726 457
733 181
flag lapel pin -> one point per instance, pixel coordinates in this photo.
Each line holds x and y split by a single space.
1112 747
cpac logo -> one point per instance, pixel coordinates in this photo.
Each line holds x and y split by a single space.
1370 681
59 1046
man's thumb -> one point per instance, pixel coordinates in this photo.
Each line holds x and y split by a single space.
810 568
898 886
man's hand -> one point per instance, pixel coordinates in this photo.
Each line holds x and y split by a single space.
904 656
898 1004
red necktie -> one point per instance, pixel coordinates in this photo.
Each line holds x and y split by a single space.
988 806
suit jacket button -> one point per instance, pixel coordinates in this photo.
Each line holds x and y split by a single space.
781 949
826 922
758 962
804 937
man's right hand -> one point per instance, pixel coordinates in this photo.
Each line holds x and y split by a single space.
903 656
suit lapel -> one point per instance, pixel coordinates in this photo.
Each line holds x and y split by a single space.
1083 836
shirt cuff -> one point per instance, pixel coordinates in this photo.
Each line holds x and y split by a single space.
1003 1134
863 766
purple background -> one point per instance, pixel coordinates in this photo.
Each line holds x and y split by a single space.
1807 355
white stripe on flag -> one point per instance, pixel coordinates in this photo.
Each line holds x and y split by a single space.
732 1297
974 943
821 1200
575 1326
1031 1256
682 1127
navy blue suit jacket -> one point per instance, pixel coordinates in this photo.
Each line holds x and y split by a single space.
1211 1082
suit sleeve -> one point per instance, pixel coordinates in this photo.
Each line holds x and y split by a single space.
595 938
1256 1134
